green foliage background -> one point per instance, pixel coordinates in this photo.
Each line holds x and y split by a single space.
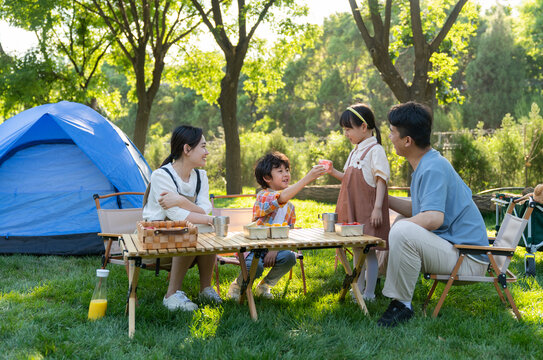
293 90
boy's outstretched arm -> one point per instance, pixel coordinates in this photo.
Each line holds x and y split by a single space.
293 189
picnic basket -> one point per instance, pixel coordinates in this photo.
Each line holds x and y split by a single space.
154 235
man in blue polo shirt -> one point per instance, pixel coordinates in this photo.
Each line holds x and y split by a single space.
441 213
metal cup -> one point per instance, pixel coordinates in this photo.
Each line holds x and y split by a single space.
329 221
220 224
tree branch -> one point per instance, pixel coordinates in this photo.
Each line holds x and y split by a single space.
434 45
242 19
218 30
361 25
416 25
134 11
95 67
260 18
388 16
376 18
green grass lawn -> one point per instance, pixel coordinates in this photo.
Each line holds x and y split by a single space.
44 303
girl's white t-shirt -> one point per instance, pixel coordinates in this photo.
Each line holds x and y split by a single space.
374 165
161 181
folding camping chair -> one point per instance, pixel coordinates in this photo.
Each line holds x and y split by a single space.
113 223
238 218
499 256
532 238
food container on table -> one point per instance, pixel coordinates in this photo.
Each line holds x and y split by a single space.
155 235
256 232
349 229
279 232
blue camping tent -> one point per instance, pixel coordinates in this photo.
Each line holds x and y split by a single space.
53 158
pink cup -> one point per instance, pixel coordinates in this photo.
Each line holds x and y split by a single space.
327 164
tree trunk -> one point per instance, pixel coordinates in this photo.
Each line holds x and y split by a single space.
145 95
228 105
142 123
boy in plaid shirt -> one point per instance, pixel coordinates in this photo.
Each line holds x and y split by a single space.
272 206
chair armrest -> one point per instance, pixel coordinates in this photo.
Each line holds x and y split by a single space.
474 249
108 235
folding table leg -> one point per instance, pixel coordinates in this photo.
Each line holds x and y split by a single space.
132 285
249 278
352 279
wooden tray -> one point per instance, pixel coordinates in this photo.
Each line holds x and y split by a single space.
167 234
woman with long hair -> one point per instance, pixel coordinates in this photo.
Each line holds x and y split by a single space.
180 191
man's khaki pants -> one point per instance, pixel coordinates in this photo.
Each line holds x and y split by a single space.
414 249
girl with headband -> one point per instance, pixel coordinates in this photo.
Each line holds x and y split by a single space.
363 194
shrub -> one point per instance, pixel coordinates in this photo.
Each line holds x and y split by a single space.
470 160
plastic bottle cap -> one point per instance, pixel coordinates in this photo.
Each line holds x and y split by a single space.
102 272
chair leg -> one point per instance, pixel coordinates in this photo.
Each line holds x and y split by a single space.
290 274
512 303
499 291
108 251
434 285
505 289
448 286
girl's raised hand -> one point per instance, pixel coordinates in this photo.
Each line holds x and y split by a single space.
328 166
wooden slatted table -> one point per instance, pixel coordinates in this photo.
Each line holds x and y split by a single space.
208 243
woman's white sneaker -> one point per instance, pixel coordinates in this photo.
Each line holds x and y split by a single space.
210 295
179 301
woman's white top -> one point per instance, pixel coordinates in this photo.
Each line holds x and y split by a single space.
374 165
161 181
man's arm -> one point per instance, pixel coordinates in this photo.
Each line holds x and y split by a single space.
402 206
430 220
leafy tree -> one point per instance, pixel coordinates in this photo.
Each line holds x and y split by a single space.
432 33
145 31
234 55
530 30
71 41
32 80
324 79
495 78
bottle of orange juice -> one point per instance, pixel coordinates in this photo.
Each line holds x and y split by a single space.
98 304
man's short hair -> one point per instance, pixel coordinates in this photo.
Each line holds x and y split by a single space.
267 163
414 120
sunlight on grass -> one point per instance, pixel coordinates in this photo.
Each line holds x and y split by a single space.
33 355
44 302
205 322
326 304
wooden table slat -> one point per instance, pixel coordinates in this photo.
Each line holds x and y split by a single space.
208 243
130 246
